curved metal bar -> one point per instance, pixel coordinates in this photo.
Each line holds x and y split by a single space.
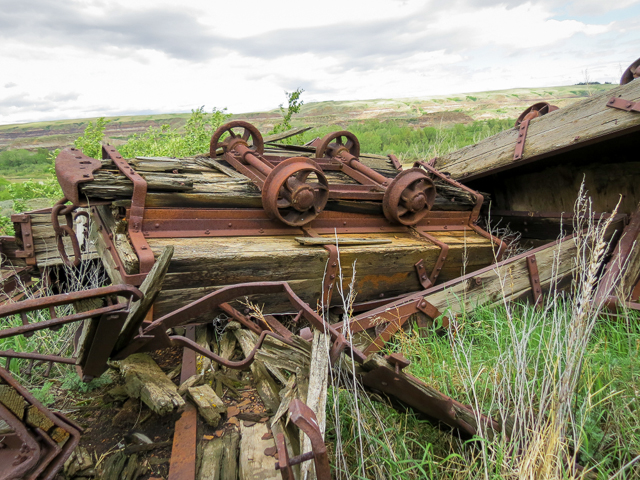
211 304
180 341
66 298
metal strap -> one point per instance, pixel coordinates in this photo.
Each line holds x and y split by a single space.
622 104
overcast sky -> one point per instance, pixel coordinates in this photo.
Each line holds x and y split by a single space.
86 58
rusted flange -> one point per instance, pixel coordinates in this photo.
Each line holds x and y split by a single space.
288 197
536 110
334 143
631 73
250 137
409 197
72 169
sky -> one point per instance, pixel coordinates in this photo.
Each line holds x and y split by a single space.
63 59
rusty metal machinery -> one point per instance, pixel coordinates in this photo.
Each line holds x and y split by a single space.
290 193
34 442
289 196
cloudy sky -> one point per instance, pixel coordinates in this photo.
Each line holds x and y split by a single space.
86 58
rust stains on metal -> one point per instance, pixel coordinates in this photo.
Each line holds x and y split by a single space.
622 104
73 168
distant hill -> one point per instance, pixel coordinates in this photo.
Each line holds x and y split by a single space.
420 111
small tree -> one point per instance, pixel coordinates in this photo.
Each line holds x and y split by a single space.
91 140
294 105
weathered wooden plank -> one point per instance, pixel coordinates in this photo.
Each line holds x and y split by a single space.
201 265
150 288
567 128
316 398
144 380
253 463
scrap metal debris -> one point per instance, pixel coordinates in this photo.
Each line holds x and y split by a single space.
224 251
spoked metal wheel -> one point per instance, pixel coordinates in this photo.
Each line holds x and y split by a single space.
295 192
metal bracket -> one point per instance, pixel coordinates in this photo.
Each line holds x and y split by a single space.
136 213
331 272
22 225
304 418
72 169
534 278
444 250
622 104
522 135
395 162
429 310
422 274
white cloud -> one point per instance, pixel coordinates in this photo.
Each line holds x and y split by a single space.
97 57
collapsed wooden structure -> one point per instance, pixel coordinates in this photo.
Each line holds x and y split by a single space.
285 227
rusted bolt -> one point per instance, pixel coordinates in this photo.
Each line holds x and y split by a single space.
332 277
334 264
108 247
613 100
577 137
27 234
85 175
423 304
229 224
111 236
206 232
117 267
344 223
144 247
28 245
423 277
261 230
382 295
157 225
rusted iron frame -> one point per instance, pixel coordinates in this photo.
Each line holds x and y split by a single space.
154 336
386 380
48 472
622 104
24 233
522 136
136 212
331 270
305 419
183 451
534 280
187 223
110 321
444 250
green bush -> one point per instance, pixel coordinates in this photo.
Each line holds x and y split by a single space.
169 142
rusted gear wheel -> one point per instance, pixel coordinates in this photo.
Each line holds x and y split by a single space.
250 137
409 197
289 196
631 73
336 141
534 111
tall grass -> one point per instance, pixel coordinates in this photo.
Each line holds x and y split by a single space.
563 381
